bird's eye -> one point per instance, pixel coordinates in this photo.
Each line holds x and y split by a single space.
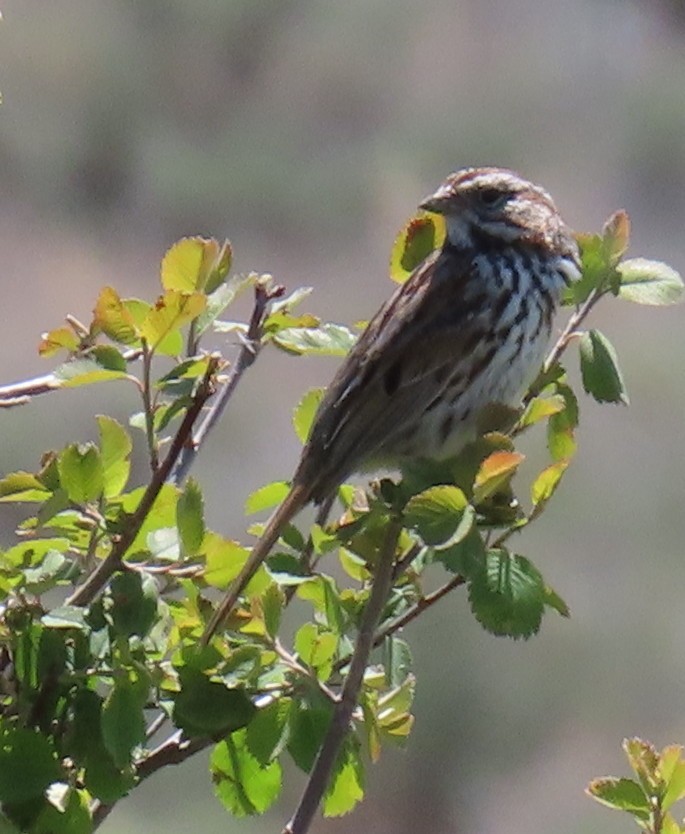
492 198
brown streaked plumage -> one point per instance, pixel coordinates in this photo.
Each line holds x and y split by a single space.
469 328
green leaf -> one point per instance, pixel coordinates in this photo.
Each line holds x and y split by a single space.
81 472
322 592
269 731
399 662
553 600
123 721
649 282
86 372
72 817
225 559
195 263
601 374
539 408
134 603
560 427
547 481
115 449
285 305
466 557
441 515
66 616
316 647
346 786
422 235
622 794
273 601
308 726
23 486
220 298
507 596
115 318
61 338
105 781
172 311
242 784
109 358
672 769
325 340
593 267
208 707
28 553
303 416
27 765
266 497
644 759
190 517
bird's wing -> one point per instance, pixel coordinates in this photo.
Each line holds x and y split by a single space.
402 362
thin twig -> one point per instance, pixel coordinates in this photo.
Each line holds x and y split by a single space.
175 750
339 726
416 609
575 320
148 410
99 577
20 393
252 345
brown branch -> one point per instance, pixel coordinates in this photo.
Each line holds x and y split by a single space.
20 393
416 609
252 345
99 577
340 722
175 750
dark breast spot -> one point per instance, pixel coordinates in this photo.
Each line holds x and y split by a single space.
392 378
446 427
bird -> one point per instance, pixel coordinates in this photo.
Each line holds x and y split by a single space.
468 329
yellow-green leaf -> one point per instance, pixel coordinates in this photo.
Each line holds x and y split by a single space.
303 416
547 481
172 311
649 282
266 497
112 316
422 235
115 448
61 338
195 263
81 473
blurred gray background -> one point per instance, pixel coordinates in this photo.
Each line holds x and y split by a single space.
307 132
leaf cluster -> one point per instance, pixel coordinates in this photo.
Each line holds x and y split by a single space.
90 683
649 798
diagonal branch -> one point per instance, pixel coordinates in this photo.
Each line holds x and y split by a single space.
96 581
248 354
340 722
20 393
175 750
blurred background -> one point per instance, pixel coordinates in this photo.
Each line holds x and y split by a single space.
307 132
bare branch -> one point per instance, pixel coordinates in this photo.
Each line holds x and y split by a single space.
175 750
339 726
21 393
250 350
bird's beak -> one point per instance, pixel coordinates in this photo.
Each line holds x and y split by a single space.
431 204
440 202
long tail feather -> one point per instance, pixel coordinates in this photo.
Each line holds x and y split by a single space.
291 505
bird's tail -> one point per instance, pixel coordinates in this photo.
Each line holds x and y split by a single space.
290 506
